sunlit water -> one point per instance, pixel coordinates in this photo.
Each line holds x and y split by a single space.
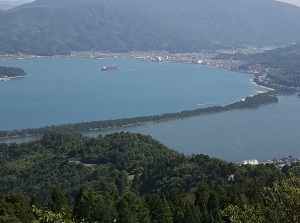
271 131
74 90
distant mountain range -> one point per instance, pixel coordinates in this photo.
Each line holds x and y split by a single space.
7 5
4 6
48 27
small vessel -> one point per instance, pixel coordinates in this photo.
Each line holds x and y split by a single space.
114 67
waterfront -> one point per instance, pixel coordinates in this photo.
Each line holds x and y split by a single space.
263 133
74 90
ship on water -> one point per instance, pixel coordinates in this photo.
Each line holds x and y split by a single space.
114 67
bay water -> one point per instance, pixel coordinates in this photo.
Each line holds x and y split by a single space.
76 90
270 131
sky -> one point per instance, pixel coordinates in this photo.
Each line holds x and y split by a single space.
14 2
294 2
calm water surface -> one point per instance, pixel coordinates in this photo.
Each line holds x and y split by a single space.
268 132
74 90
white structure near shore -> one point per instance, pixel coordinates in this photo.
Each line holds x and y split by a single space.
4 79
250 162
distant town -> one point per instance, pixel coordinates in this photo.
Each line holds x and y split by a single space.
204 58
280 163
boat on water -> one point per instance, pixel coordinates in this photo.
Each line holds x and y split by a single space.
114 67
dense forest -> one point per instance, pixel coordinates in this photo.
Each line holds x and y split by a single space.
125 177
135 25
11 72
281 64
248 102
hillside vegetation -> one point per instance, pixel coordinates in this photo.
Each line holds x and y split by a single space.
11 72
281 64
127 177
49 27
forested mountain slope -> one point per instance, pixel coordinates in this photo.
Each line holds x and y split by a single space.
50 26
281 64
71 161
128 177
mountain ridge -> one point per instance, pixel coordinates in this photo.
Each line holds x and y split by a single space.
153 25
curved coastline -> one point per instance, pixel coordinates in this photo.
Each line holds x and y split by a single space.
258 85
9 78
249 102
8 73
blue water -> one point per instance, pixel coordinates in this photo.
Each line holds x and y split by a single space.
270 131
75 90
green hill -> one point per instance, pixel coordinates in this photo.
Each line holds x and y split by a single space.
281 64
125 176
11 72
57 27
71 161
89 27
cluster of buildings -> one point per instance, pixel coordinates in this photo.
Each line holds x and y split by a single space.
158 56
250 162
205 57
277 162
19 56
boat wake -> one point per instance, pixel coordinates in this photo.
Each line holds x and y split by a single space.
211 103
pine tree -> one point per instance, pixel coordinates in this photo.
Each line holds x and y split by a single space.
34 201
78 210
58 201
191 215
7 213
131 209
21 209
213 207
202 196
165 213
177 205
160 211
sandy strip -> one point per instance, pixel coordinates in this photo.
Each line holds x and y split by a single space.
9 78
272 89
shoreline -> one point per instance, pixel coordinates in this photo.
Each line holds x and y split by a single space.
139 122
3 79
268 88
250 102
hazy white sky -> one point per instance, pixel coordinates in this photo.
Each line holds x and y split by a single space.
295 2
13 2
16 1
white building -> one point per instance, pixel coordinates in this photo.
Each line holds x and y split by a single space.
250 162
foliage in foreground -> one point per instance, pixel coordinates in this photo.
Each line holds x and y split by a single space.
125 177
283 197
281 204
